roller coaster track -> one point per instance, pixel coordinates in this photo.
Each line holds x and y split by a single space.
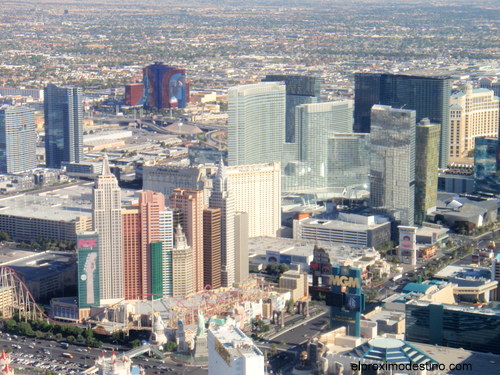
17 297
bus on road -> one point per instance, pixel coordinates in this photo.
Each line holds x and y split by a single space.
67 355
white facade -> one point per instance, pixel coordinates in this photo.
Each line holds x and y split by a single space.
107 221
257 191
167 241
231 352
473 113
222 198
256 125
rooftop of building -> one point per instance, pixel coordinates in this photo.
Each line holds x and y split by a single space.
391 350
345 223
429 230
464 272
486 310
58 204
481 363
38 266
235 341
461 206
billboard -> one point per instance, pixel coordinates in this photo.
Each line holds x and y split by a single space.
345 298
88 269
407 238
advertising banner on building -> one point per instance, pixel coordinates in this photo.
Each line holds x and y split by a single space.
88 269
407 238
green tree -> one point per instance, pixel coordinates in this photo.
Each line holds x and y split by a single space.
58 336
135 343
289 304
71 339
171 346
10 326
4 236
24 328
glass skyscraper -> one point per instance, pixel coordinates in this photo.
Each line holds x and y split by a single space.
428 96
256 126
63 107
392 162
348 161
426 169
487 165
315 124
17 139
299 90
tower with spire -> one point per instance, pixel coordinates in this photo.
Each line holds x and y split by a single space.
107 221
182 266
222 198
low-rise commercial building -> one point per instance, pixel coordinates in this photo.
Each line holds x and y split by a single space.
350 229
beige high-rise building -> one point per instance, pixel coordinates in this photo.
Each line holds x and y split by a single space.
222 197
241 246
190 203
256 190
473 113
107 221
183 282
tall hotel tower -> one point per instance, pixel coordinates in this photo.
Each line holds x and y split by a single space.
107 222
256 127
190 203
392 166
429 96
63 108
222 198
17 139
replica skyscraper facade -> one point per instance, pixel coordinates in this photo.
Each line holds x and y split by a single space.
107 222
63 109
17 139
392 167
190 203
222 197
428 96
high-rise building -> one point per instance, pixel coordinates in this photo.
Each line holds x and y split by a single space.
151 204
134 93
182 266
156 270
222 197
299 90
426 169
315 124
165 178
487 165
495 275
241 246
392 166
17 139
256 125
473 113
107 222
167 242
428 96
165 86
190 202
257 191
63 108
132 266
348 163
212 247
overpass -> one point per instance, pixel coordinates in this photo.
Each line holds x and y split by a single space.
131 354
